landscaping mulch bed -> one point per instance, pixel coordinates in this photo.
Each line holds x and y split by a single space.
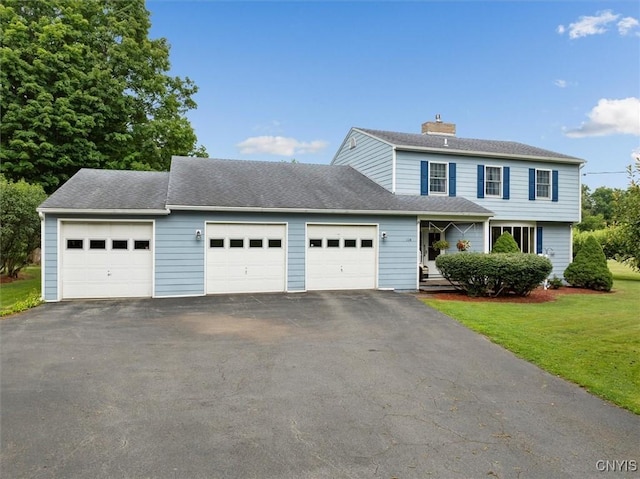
539 295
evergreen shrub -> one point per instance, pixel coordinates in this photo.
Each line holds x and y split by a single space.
505 244
589 268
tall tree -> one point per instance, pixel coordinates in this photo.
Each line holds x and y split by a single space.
19 224
628 218
82 85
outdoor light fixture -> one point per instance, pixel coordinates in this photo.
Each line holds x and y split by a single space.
198 235
384 235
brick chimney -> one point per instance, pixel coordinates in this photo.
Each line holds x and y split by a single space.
438 128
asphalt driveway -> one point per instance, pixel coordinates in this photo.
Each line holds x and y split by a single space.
316 385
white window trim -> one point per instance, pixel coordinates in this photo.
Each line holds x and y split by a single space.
550 185
486 179
446 178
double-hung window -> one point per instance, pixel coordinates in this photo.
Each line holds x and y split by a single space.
543 184
438 178
493 181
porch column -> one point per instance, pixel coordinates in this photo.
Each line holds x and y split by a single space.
487 236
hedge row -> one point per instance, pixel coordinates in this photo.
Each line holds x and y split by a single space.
480 274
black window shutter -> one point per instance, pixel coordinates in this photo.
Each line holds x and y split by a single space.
480 181
424 178
532 184
452 179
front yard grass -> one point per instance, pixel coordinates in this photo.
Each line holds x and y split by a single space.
21 294
590 339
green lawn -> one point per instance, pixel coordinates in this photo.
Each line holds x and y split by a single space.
590 339
22 291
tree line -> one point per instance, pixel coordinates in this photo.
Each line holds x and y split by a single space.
612 216
81 86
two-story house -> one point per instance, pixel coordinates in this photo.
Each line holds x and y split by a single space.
366 221
534 194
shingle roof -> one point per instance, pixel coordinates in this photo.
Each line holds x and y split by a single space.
198 182
111 190
468 145
235 184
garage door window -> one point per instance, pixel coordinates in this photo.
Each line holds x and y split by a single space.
275 243
119 244
349 243
75 244
216 243
366 243
315 243
141 244
97 244
255 243
333 243
236 243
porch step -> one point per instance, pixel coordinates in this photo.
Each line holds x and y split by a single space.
437 285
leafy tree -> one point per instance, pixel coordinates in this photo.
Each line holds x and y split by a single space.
19 223
82 85
628 217
505 244
589 268
603 199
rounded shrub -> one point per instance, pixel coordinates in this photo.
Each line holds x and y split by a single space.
589 268
480 274
505 244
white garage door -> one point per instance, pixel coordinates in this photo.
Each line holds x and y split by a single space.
106 260
341 257
246 258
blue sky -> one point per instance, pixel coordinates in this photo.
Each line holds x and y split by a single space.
282 80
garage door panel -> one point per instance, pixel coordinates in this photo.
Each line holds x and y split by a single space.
257 266
341 257
106 271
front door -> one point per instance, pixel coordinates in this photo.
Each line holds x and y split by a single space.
429 254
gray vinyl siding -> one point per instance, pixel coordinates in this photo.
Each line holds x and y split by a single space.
180 258
371 157
556 242
518 206
50 259
408 171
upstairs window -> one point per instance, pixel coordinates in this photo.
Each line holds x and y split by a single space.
543 184
493 181
438 178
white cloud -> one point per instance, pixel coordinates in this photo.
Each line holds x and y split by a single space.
599 24
627 24
596 25
611 117
280 145
560 83
635 155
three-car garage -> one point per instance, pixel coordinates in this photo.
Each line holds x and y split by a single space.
101 259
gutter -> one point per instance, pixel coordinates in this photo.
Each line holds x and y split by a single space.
333 211
106 211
